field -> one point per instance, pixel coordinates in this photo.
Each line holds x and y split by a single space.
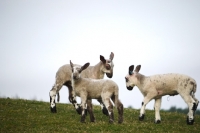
18 116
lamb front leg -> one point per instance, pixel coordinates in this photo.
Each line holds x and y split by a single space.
83 107
72 99
90 110
157 110
142 110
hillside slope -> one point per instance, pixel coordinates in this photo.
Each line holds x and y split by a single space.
18 115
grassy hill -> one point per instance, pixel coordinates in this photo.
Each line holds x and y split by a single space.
18 115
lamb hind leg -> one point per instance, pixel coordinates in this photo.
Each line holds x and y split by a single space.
191 105
196 101
52 95
109 107
190 117
120 109
103 108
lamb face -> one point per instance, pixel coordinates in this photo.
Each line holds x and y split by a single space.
129 85
107 65
131 78
76 70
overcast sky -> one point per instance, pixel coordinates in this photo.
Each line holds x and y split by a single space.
39 36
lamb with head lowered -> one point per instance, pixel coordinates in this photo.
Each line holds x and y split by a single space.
156 86
88 89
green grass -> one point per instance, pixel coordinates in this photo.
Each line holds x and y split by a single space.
18 115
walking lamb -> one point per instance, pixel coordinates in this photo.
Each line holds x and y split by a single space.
154 87
88 89
63 77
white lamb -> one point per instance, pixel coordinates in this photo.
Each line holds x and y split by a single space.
156 86
88 89
63 77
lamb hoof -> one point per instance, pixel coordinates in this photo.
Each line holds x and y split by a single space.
53 110
157 121
105 111
92 121
83 121
190 122
120 121
111 121
141 118
78 110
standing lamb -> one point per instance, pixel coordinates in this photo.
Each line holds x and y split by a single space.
88 89
154 87
63 77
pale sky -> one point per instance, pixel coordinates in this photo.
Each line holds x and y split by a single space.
39 36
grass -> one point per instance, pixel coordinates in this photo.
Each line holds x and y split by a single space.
18 115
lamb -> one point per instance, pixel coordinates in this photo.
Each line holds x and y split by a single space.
156 86
101 89
63 77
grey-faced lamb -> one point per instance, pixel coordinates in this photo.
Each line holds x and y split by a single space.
101 89
156 86
63 77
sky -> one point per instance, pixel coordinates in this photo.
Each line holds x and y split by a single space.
39 36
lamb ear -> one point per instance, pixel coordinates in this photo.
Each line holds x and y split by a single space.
71 64
111 56
137 69
85 66
102 59
130 70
